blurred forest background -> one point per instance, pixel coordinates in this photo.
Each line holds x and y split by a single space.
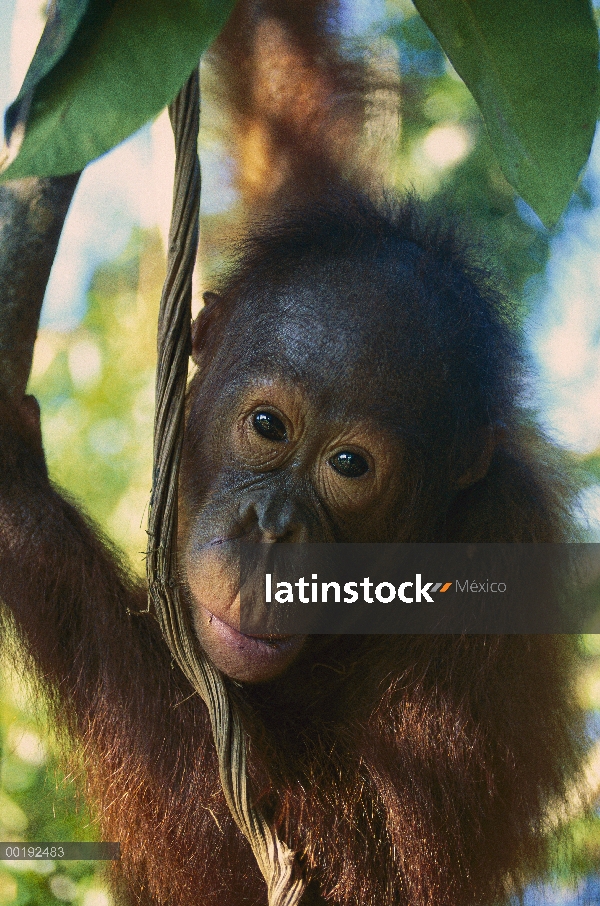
94 363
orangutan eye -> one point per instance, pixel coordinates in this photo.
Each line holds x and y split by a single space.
349 464
269 426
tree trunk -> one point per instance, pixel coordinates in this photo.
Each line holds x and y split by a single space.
32 214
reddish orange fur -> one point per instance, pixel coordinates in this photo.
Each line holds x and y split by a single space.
407 770
296 98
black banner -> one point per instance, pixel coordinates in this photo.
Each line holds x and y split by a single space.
289 589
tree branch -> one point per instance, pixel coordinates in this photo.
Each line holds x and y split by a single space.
32 214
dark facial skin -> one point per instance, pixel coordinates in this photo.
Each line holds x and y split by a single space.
293 436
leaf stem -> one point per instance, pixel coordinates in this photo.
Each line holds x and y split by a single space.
32 214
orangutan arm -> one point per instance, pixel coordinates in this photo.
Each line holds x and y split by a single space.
68 593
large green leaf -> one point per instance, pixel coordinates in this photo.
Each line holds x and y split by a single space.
101 70
532 67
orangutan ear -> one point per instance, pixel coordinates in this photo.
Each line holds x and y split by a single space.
208 327
477 458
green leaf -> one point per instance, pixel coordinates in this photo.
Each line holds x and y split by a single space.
102 69
532 67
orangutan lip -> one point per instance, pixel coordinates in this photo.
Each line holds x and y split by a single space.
275 643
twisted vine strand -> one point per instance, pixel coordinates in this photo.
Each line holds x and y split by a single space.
276 860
